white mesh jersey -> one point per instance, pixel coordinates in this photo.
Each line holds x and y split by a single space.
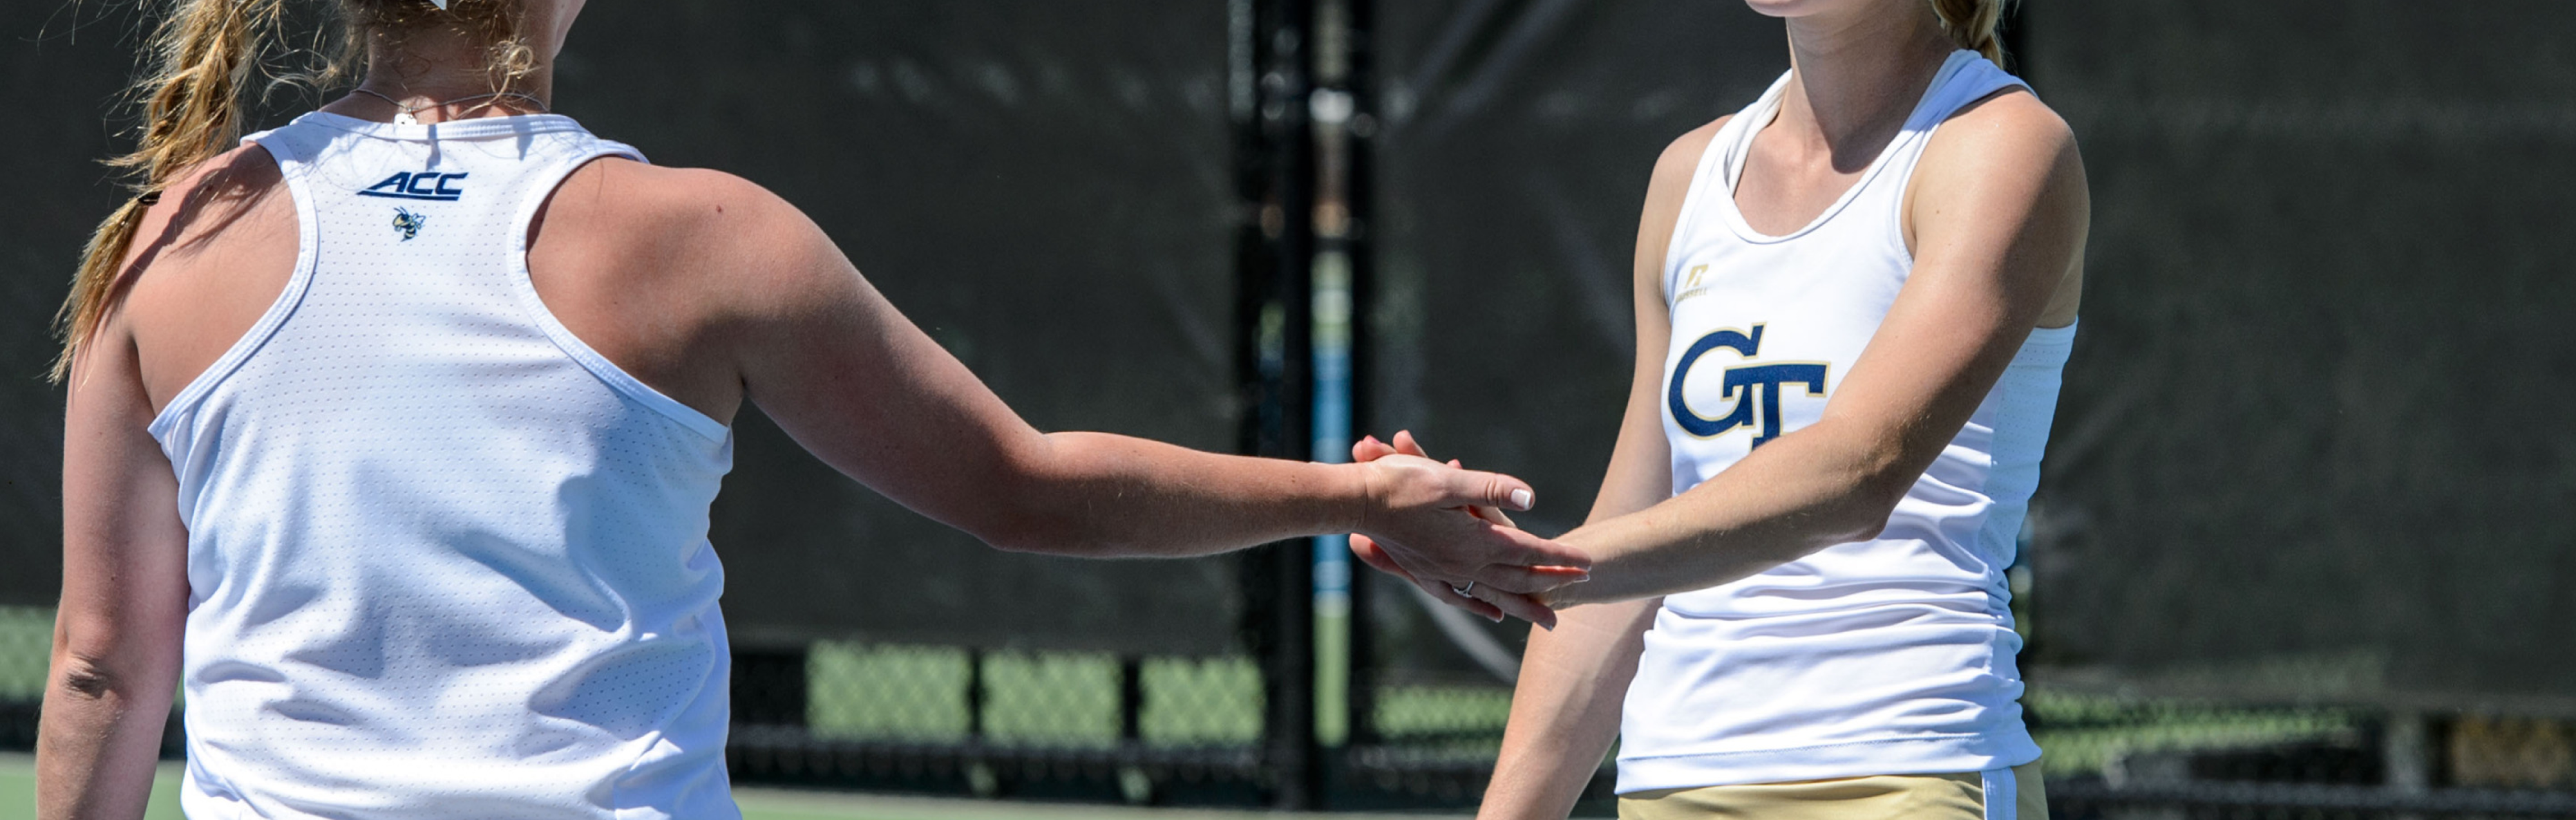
444 560
1890 656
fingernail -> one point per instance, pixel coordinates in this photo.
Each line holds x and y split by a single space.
1521 497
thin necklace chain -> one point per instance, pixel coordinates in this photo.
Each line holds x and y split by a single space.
403 113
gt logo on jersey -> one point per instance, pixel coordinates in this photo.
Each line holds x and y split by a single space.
408 224
429 185
1751 387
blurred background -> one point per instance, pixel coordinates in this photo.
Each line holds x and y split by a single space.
2304 547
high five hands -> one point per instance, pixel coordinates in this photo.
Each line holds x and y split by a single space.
1492 584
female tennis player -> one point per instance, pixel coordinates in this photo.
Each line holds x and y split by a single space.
392 434
1853 301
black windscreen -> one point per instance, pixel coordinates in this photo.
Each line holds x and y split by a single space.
1045 189
65 66
2312 441
2315 437
1513 161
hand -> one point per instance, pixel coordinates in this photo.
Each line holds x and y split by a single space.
1493 589
1370 449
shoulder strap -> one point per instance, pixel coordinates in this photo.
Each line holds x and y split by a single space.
1967 77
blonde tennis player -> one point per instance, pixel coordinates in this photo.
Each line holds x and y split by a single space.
392 434
1853 301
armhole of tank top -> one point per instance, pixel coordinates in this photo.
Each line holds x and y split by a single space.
1710 166
2059 341
290 170
1713 176
599 366
1689 212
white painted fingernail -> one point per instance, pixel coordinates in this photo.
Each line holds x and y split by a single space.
1521 498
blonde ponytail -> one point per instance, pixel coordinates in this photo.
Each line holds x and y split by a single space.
205 50
1971 25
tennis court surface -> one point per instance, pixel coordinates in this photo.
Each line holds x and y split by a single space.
18 802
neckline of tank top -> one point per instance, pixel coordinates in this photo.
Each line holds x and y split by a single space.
476 128
1768 109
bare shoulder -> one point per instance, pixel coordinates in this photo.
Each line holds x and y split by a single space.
1681 159
206 201
232 199
207 260
2006 170
699 233
1670 186
674 209
660 270
2010 132
1666 192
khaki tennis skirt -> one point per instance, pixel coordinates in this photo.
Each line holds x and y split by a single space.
1894 797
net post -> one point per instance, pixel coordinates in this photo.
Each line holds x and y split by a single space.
1358 193
1131 699
974 694
1274 260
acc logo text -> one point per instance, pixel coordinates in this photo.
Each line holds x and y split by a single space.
429 185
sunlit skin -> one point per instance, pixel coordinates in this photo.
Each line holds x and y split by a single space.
1995 216
714 292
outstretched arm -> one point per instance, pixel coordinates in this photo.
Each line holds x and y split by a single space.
856 383
1998 222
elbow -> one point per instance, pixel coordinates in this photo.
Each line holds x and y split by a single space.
1019 509
1864 525
130 656
1028 543
1035 528
1020 531
1871 496
1052 506
1063 535
85 678
1853 518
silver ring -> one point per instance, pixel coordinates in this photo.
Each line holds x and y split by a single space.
1468 591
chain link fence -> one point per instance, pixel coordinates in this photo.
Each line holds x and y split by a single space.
1187 730
2120 758
1028 724
26 644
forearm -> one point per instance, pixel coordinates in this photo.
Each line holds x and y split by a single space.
1565 710
99 740
1102 495
1801 493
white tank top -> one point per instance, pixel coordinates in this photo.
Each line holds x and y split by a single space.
444 560
1890 656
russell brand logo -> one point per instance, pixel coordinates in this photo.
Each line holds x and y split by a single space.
1749 387
429 185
